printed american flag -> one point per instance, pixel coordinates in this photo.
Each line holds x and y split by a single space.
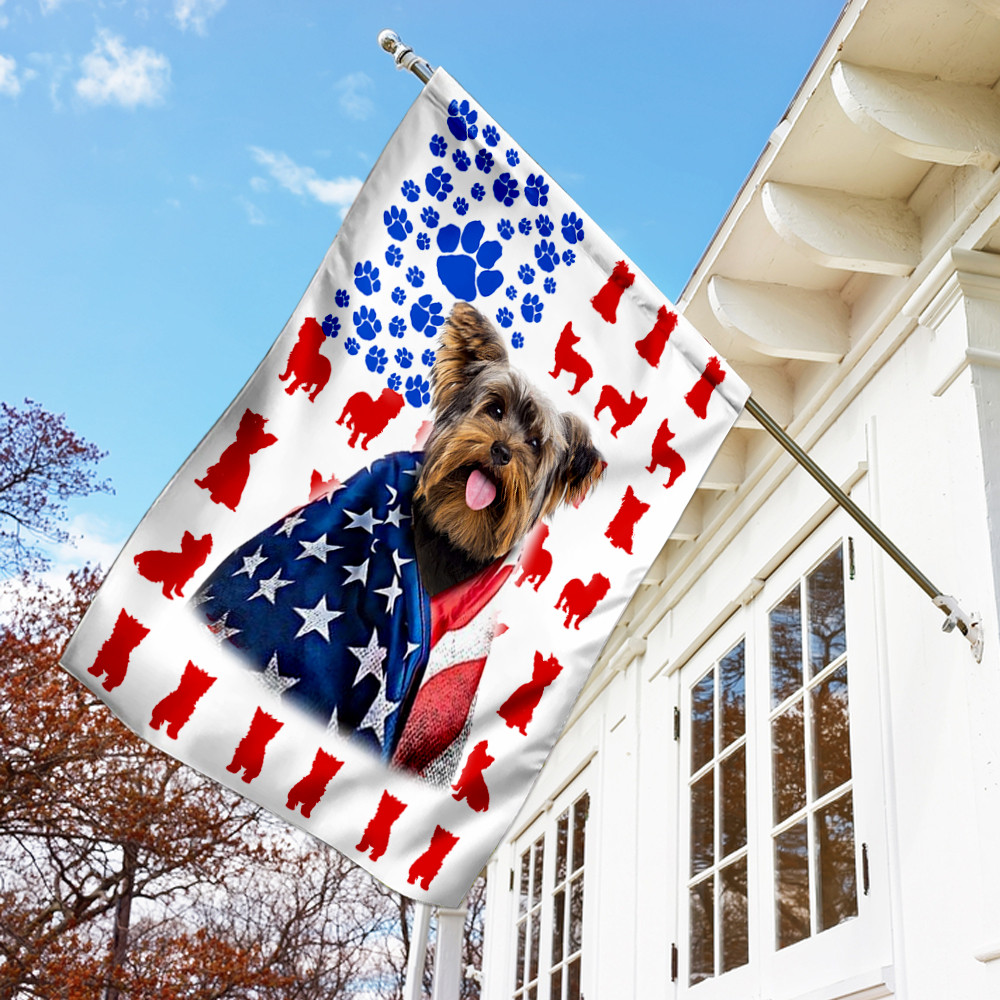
267 622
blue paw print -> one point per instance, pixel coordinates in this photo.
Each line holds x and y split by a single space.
395 381
425 314
351 346
376 360
517 339
366 278
505 189
418 390
429 217
511 292
462 121
331 326
512 157
550 285
397 224
478 191
428 358
404 358
536 190
366 323
423 241
491 135
545 225
457 271
572 228
398 295
531 309
438 183
415 277
504 316
397 326
568 257
438 145
461 206
526 273
524 226
484 160
505 229
461 159
342 298
394 256
411 190
547 255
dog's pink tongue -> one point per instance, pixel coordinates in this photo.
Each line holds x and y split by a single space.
479 490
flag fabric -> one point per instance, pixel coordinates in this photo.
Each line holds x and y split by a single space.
275 620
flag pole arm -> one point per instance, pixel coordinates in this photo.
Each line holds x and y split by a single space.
967 624
404 56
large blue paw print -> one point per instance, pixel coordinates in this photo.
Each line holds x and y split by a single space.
572 228
397 224
505 189
536 190
376 360
462 121
366 323
531 309
425 314
438 184
457 271
418 390
546 255
366 278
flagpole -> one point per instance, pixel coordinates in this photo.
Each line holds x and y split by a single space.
968 625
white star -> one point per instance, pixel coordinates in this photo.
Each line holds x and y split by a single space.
380 710
390 594
317 548
220 630
200 599
250 563
289 524
413 472
333 726
366 520
400 563
369 659
269 587
393 493
410 648
395 515
272 680
316 619
359 573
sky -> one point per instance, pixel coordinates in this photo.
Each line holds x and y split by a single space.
173 171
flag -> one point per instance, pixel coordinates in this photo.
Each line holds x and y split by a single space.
332 608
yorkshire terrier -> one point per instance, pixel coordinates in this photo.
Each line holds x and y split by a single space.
499 457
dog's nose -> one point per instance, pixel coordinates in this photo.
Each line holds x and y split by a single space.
500 453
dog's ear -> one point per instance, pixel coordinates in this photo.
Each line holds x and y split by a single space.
581 465
468 341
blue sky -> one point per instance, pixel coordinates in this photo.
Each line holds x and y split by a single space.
172 172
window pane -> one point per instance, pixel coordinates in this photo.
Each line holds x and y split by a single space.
533 956
788 754
825 588
703 823
734 925
838 897
555 989
581 810
533 993
522 903
786 648
831 733
702 722
558 923
732 695
576 915
521 933
562 834
791 870
536 881
702 932
573 992
733 805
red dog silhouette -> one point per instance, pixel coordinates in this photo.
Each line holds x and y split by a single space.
174 569
607 299
624 413
471 784
311 788
518 709
369 417
536 562
320 487
306 363
568 359
249 755
178 706
623 523
112 658
376 835
698 397
226 479
664 455
578 599
429 863
651 346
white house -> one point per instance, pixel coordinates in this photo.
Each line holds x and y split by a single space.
781 780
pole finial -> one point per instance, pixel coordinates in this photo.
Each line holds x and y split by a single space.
404 56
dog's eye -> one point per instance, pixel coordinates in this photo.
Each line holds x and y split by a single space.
534 444
495 410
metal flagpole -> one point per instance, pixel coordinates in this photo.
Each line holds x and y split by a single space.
967 624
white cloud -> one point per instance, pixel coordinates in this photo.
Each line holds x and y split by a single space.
10 85
47 6
259 184
340 191
195 13
119 75
353 91
254 215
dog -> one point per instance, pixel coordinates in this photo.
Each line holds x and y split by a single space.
367 417
174 569
624 412
664 455
310 367
226 479
569 359
578 599
536 560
